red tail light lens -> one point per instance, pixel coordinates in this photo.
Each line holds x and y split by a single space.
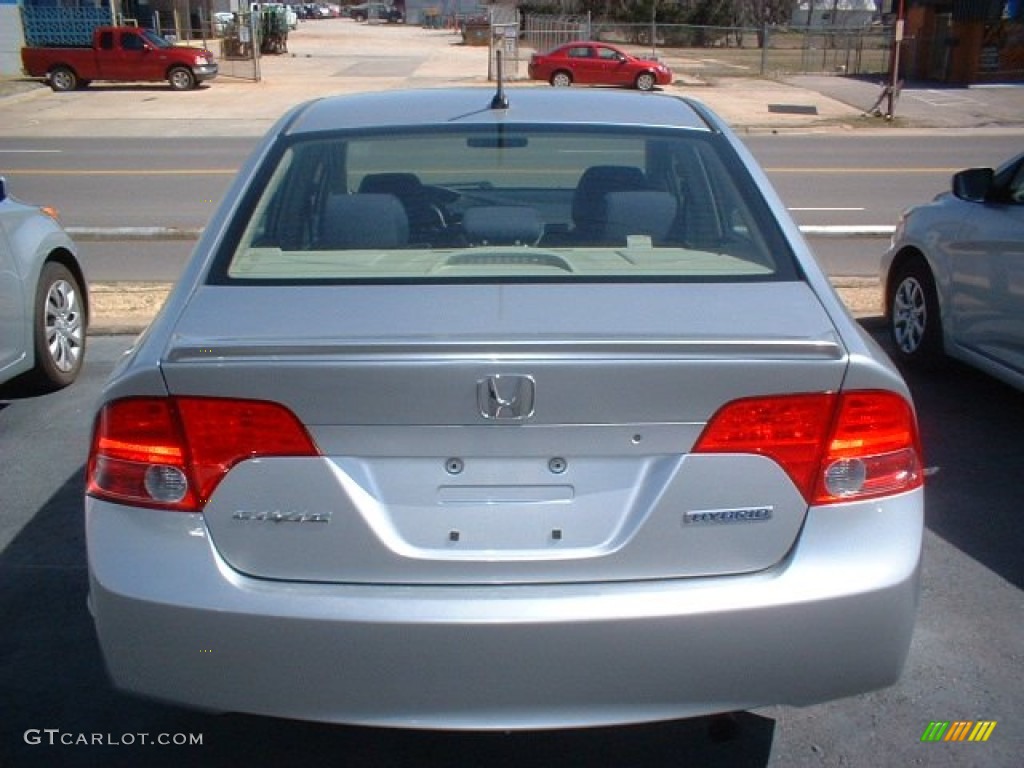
171 453
835 447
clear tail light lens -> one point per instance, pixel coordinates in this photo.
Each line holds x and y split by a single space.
171 452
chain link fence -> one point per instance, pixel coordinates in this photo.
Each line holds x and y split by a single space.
709 52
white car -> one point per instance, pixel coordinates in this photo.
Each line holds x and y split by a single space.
954 275
44 306
531 411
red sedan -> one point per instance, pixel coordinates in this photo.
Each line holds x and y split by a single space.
597 64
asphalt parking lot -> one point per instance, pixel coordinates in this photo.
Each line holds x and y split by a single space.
964 661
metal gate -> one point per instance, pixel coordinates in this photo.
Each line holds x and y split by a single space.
233 37
239 46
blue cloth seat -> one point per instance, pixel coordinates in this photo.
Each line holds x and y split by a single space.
639 212
502 225
364 221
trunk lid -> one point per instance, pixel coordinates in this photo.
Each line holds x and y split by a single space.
518 433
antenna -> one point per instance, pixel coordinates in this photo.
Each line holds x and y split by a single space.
500 100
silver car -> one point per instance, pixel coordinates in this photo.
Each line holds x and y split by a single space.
954 275
44 306
480 414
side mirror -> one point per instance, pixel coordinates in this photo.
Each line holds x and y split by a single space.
3 189
973 185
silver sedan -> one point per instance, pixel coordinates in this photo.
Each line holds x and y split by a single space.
954 275
43 301
503 413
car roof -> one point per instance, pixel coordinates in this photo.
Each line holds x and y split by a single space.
589 43
472 106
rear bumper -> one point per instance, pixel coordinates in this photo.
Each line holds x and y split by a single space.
176 623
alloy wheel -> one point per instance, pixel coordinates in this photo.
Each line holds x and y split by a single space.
909 315
63 325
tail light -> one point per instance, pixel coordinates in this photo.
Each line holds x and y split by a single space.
835 447
171 452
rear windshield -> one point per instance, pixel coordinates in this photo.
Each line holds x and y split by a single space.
506 204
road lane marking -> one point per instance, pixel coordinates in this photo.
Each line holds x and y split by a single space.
118 234
125 172
225 171
827 210
787 169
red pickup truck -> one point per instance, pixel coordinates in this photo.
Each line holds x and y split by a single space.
123 54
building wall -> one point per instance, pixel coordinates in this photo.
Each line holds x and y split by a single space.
416 11
946 46
11 39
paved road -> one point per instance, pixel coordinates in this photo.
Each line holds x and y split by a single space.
827 178
964 662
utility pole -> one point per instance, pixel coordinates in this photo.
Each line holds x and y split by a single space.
894 67
654 29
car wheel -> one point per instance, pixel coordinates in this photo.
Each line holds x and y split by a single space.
561 79
914 320
58 327
63 79
645 81
181 79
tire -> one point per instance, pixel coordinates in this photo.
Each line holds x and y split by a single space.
915 322
58 327
63 79
181 79
645 81
561 79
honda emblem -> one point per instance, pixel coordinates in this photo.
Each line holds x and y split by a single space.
505 397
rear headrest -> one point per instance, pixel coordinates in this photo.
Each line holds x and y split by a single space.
588 203
364 221
640 212
401 184
502 225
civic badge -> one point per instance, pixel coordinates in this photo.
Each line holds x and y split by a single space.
505 397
